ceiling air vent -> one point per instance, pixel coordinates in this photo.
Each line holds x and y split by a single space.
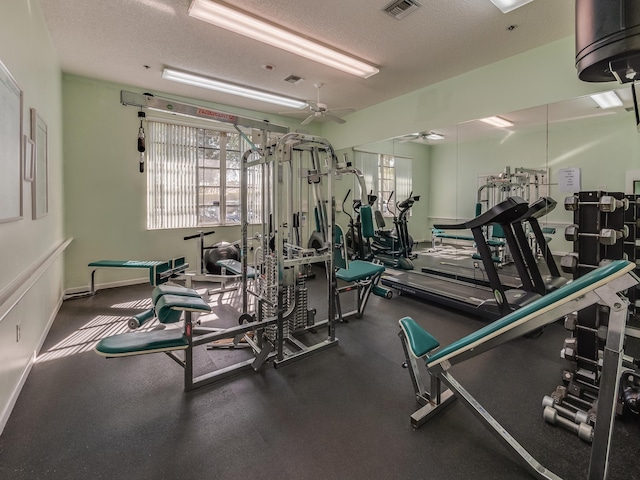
399 9
295 79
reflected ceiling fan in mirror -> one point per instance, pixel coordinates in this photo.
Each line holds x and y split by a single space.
318 110
422 137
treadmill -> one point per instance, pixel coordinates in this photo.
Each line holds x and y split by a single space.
488 302
508 277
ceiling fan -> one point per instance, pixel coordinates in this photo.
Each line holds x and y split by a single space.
318 109
421 137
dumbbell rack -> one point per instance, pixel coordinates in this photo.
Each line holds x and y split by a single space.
632 248
578 392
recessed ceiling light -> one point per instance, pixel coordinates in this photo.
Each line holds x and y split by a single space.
497 122
607 99
506 6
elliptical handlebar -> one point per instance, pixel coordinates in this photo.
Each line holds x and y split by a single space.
343 202
389 202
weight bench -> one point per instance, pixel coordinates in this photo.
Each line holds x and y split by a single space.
358 274
159 272
172 304
598 286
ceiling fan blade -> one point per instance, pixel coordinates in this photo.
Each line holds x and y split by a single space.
334 118
308 119
343 110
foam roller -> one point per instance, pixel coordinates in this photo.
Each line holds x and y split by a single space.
140 319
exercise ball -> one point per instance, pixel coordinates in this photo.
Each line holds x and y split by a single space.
607 31
219 251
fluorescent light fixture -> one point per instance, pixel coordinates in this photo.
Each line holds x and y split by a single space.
239 22
219 86
506 6
607 99
434 136
497 122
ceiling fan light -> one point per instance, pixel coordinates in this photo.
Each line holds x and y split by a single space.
230 88
244 24
506 6
434 136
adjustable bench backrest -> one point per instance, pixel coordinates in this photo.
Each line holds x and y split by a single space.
551 301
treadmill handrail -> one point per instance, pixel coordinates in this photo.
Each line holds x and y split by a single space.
505 212
539 208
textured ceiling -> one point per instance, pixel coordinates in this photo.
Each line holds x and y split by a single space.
114 40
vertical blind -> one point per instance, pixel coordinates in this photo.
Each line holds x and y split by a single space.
171 176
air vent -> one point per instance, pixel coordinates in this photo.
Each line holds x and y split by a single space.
399 9
295 79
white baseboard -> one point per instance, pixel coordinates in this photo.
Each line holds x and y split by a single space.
6 413
103 286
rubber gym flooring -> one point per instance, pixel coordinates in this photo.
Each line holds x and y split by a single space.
340 414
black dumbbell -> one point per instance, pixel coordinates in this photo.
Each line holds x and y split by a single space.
606 203
569 263
606 236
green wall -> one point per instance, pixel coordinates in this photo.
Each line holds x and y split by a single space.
28 302
606 149
105 195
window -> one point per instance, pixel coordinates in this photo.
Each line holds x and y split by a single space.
193 177
386 183
384 173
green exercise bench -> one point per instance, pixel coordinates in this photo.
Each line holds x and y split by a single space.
159 272
171 305
359 275
602 285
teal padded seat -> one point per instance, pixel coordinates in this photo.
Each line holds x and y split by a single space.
161 290
235 267
421 342
359 270
138 343
564 294
169 308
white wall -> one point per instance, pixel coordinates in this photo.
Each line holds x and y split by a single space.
27 51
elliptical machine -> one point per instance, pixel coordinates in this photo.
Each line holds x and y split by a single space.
360 228
395 248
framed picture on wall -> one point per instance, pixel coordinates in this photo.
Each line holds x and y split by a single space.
29 158
10 147
40 184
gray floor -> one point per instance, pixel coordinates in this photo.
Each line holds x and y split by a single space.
342 414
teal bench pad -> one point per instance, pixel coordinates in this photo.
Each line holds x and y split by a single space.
139 343
420 341
169 308
235 267
161 290
126 263
359 270
564 294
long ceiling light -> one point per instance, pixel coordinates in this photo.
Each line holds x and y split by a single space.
219 86
497 122
607 99
506 6
252 27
